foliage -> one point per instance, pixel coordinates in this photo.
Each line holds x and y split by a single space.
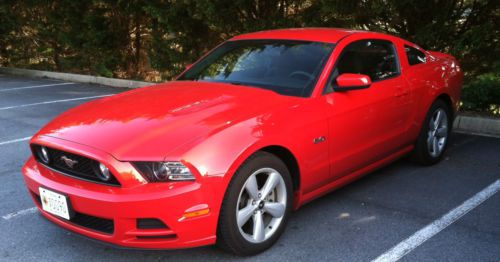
155 40
483 94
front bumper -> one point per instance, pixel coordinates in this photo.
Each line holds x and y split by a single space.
123 206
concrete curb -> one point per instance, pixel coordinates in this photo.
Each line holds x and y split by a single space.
463 124
477 125
75 77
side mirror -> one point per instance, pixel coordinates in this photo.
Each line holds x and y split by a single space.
347 82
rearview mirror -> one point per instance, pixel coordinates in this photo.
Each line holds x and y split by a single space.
347 82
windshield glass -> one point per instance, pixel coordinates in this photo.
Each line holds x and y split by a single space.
283 66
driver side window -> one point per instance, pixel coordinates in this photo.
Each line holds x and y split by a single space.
374 58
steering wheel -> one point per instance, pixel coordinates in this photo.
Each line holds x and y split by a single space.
301 73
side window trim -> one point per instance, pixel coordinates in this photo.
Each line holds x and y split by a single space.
427 56
396 58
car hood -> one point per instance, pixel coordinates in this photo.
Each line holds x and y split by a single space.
147 123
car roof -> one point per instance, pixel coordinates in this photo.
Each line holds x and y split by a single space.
327 35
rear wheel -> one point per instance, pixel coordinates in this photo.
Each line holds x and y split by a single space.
434 135
256 206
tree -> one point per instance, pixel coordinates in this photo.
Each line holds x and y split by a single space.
155 40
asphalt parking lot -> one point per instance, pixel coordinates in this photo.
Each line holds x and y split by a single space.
360 222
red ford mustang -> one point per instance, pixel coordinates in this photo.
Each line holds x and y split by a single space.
262 124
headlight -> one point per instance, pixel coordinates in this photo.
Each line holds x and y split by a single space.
164 171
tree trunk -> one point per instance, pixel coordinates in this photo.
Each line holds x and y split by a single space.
137 44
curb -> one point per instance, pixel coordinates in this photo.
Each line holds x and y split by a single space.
462 124
477 125
76 77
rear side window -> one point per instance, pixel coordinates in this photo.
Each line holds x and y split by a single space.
375 58
415 56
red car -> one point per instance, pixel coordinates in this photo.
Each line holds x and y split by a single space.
261 125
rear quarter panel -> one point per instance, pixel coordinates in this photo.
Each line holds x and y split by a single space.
452 76
441 75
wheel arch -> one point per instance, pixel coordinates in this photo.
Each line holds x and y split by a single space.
284 153
447 99
290 161
443 96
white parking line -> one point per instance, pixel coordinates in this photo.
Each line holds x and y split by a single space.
54 101
28 87
19 213
15 140
424 234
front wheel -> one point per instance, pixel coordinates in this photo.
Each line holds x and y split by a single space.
256 206
434 135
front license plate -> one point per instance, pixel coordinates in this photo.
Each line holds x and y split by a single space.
55 203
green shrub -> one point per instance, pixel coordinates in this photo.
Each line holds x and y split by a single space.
483 94
102 70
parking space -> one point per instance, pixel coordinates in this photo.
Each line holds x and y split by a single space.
359 222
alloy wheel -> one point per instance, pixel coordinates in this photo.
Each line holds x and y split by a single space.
261 205
437 133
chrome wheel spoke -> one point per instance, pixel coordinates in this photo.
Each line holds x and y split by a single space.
258 227
437 121
245 214
442 131
437 133
435 145
432 125
272 180
276 210
252 187
430 138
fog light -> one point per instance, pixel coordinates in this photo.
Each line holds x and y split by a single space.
103 173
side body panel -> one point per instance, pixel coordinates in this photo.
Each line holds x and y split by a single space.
294 128
417 89
370 124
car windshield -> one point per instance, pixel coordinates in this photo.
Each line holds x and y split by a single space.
283 66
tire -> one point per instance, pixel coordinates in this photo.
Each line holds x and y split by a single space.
260 224
431 143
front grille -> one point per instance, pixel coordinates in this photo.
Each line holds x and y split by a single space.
84 168
98 224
